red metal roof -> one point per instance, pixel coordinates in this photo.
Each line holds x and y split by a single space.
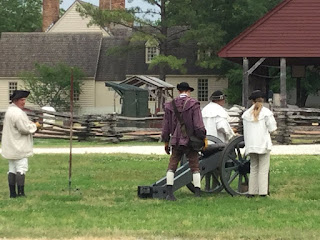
291 29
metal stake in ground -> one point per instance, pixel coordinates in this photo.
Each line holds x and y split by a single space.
71 124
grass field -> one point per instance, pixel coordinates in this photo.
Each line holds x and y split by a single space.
66 143
104 205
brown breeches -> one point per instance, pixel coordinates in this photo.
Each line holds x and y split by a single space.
177 153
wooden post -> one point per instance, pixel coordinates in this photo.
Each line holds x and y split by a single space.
245 82
298 91
160 96
71 125
283 83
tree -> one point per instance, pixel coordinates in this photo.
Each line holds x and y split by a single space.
20 15
218 22
309 85
172 14
210 24
51 84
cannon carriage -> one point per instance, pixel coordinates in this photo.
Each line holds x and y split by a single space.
222 166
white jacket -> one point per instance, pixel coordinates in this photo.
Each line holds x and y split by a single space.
215 120
257 133
17 141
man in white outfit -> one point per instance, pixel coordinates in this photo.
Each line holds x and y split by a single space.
17 141
215 118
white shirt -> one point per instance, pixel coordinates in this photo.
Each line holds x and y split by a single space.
17 142
215 120
257 133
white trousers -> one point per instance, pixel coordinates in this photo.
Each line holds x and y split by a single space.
20 166
259 173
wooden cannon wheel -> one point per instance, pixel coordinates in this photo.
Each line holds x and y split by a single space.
210 182
235 167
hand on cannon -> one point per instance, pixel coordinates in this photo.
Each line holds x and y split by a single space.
205 144
167 148
39 126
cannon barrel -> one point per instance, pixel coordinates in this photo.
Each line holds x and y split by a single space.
209 160
222 166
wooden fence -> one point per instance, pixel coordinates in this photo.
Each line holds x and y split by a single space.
295 126
108 127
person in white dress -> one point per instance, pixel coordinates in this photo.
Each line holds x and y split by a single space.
215 118
258 123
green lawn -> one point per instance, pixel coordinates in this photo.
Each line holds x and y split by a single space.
66 143
104 203
47 143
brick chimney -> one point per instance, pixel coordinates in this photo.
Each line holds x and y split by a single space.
50 13
111 4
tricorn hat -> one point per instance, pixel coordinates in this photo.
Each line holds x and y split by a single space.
217 95
256 94
184 86
17 94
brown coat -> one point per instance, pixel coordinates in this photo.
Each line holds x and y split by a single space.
190 112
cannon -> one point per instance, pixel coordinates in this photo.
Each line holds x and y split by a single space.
222 166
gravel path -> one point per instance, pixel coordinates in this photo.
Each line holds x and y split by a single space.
310 149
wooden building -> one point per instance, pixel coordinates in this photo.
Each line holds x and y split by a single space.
69 40
288 35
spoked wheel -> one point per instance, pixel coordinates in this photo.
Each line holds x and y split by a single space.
235 167
210 182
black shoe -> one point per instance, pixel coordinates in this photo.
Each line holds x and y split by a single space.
12 184
250 196
13 193
197 192
262 195
21 191
170 196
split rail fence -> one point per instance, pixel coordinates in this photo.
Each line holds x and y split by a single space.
295 126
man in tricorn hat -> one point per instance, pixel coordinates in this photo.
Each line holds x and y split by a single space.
189 110
17 141
215 118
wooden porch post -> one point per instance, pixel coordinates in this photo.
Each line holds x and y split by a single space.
283 84
245 82
160 100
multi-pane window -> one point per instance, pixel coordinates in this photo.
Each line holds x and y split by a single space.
204 54
152 97
152 50
151 53
76 96
202 89
12 86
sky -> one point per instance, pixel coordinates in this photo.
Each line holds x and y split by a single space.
129 3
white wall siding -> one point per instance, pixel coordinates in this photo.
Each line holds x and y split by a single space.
107 100
4 93
71 21
214 83
87 96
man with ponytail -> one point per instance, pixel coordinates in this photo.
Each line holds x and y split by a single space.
258 123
